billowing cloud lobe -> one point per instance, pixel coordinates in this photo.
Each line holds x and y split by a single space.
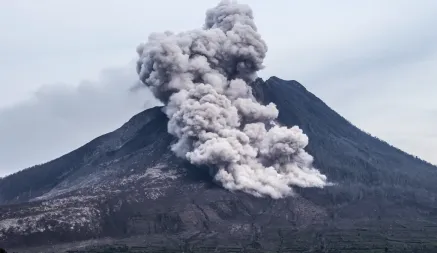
202 78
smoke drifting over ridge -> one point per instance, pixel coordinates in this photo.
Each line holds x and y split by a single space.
202 78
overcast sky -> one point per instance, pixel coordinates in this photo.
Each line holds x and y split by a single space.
66 66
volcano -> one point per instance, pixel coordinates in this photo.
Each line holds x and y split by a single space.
126 191
230 163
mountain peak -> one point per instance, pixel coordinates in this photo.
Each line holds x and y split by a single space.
290 82
275 78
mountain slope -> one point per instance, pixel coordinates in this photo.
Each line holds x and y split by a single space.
362 165
128 183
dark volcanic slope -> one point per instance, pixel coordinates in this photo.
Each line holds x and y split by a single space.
128 184
362 165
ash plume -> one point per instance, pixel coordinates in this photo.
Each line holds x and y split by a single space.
202 78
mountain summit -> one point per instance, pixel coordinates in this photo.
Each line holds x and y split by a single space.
128 188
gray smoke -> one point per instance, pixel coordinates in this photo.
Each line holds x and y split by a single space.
202 78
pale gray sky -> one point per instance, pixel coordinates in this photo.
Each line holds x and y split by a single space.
66 66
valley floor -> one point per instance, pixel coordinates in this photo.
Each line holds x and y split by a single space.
328 240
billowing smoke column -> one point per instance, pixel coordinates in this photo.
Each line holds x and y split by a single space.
202 78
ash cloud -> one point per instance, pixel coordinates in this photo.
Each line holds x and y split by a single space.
202 78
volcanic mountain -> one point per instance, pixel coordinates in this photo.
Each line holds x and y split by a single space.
126 191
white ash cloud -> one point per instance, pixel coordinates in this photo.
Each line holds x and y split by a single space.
202 77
